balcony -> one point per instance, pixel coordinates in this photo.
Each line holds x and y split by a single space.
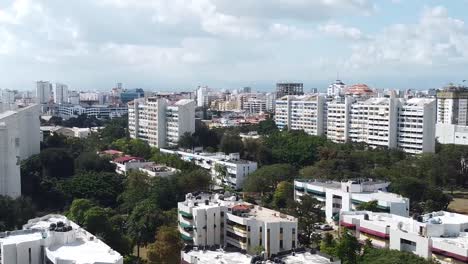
236 243
238 230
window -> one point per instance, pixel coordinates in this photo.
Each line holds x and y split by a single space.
222 214
294 231
30 260
281 230
407 242
260 229
260 242
248 228
281 244
293 244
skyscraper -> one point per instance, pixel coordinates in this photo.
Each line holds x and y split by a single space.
43 90
285 88
60 93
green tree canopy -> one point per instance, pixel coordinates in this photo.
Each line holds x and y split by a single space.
166 249
268 177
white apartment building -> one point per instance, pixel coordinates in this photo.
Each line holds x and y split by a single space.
7 96
346 196
43 92
441 236
452 112
159 121
407 124
99 111
305 112
270 102
19 139
57 240
180 118
126 163
60 93
336 89
254 106
416 125
227 170
207 219
157 170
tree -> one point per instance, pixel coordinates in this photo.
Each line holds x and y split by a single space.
372 206
134 147
328 244
166 249
14 213
267 127
387 256
268 177
57 163
308 212
231 143
102 187
284 195
187 141
90 161
143 222
348 248
136 190
78 209
191 181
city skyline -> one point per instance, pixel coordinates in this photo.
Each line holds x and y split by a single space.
178 45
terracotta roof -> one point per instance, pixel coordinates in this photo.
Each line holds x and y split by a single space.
127 159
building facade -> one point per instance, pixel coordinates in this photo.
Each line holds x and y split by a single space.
226 170
19 139
43 92
160 122
301 113
207 219
440 235
346 196
60 93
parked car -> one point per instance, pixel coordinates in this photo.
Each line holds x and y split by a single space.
326 227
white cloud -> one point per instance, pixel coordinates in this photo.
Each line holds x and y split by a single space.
341 31
436 39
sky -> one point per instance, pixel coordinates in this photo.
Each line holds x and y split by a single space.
175 45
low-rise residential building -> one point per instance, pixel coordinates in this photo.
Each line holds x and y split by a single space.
228 170
126 163
57 240
157 170
209 219
219 256
347 195
439 235
67 111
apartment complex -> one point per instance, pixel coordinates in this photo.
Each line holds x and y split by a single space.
43 92
407 124
160 122
452 115
60 93
304 112
336 89
439 235
67 111
208 219
54 239
226 170
19 139
346 196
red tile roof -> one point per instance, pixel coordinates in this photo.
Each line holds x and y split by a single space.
125 159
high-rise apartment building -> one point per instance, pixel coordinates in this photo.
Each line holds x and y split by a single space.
452 115
209 219
286 88
7 96
336 89
304 112
43 92
160 122
60 93
19 139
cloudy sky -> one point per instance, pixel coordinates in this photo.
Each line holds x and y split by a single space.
180 44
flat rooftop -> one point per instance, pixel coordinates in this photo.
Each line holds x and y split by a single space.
460 241
305 258
443 217
219 257
379 196
86 248
268 215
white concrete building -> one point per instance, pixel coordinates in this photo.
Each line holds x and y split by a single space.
439 235
452 112
7 96
227 170
157 170
57 240
304 112
207 219
60 93
99 111
406 124
160 122
43 92
452 134
346 196
126 163
19 139
336 89
199 256
254 105
416 125
270 102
